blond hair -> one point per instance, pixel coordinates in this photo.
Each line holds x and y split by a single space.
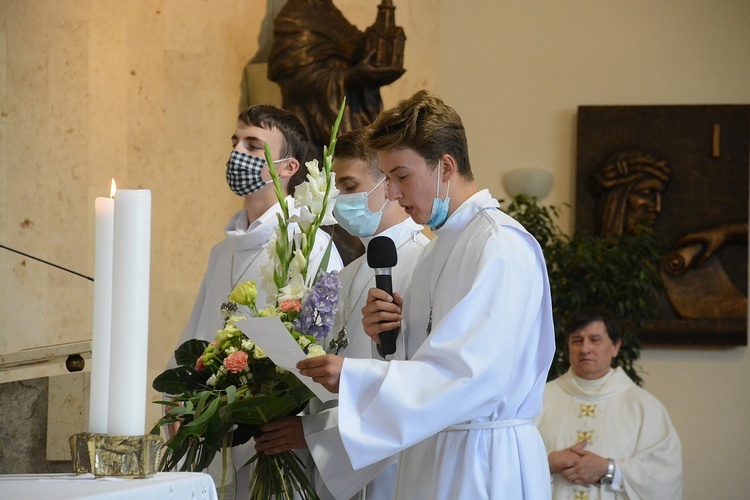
425 124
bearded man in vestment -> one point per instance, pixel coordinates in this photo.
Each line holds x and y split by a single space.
479 341
608 438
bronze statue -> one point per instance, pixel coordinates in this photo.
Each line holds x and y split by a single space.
318 57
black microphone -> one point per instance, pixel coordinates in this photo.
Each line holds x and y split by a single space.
382 256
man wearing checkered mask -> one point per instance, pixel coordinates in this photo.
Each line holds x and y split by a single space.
240 255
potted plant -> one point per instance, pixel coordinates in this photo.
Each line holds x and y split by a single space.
618 274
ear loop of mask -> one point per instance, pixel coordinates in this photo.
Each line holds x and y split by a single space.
437 185
374 188
439 212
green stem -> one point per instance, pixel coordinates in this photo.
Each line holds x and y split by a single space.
225 448
327 168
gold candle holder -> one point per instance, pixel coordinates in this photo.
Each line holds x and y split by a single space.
115 456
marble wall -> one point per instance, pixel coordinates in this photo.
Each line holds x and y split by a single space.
23 435
146 92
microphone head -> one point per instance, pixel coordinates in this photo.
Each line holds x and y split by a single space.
381 253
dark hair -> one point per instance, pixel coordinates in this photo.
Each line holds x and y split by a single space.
353 144
270 117
427 125
585 317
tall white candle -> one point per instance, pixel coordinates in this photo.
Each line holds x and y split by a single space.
104 209
130 301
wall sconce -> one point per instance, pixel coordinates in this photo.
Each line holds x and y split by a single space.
533 182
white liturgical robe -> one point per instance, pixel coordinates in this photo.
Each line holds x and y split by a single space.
460 409
235 259
331 464
620 421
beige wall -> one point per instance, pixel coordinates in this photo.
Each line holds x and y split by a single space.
517 70
146 92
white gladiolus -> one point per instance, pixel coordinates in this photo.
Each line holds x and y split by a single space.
294 290
267 282
298 263
310 197
303 218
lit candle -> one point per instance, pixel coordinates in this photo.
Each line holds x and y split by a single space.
104 209
130 301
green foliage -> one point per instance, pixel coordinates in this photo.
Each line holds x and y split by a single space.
184 377
537 219
189 352
179 380
619 275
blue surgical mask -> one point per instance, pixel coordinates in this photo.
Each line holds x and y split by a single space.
353 213
243 173
439 207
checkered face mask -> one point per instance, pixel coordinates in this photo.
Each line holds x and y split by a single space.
243 173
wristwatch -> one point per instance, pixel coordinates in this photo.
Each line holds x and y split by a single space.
610 475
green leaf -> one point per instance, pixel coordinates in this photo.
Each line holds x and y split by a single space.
203 398
261 409
166 403
335 128
179 411
204 412
326 257
231 393
189 352
180 380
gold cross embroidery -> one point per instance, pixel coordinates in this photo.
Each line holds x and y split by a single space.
587 435
581 495
587 411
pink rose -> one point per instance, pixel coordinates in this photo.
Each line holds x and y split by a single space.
236 362
290 306
199 364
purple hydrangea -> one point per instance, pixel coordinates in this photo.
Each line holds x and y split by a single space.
319 306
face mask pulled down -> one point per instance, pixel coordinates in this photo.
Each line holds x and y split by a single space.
439 212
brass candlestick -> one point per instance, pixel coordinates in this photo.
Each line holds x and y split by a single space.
115 456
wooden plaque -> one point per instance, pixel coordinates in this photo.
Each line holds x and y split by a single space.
687 168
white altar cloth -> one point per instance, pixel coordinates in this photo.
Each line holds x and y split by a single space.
162 486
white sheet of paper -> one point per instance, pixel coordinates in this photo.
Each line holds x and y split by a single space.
273 337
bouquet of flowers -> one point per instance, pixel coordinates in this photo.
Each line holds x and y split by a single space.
223 391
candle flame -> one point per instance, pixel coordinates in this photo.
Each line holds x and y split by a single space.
112 189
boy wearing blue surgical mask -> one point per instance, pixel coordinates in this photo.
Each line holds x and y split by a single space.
477 324
364 211
240 255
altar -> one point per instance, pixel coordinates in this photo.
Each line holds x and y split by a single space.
161 486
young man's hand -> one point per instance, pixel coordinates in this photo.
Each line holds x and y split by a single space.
382 313
280 436
325 370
